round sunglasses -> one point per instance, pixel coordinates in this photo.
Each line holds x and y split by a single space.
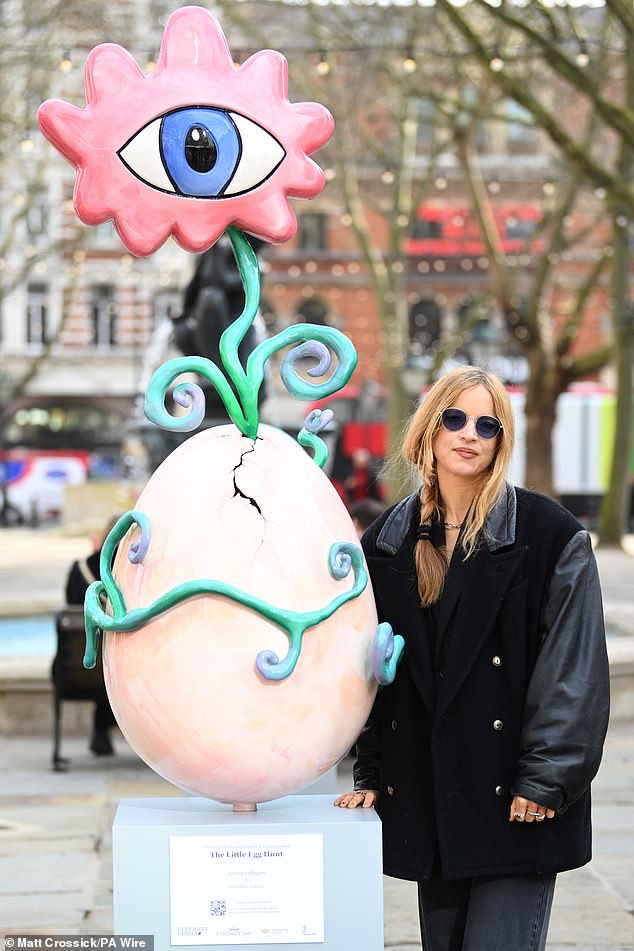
487 427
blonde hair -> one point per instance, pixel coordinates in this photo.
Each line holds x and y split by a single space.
432 562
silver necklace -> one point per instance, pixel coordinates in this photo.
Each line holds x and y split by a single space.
453 524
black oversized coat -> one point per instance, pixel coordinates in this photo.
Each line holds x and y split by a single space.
520 705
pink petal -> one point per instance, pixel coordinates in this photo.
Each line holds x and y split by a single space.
309 182
194 37
316 124
268 72
66 126
272 220
109 71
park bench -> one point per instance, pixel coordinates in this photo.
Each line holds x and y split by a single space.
71 680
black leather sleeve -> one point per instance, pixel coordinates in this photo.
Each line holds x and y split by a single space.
567 705
366 767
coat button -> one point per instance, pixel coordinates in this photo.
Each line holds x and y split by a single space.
390 790
497 724
499 790
394 724
496 661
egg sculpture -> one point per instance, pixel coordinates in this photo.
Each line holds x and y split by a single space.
242 652
240 639
185 688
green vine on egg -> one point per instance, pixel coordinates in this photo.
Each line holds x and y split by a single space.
343 557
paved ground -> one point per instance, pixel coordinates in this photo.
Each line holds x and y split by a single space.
55 865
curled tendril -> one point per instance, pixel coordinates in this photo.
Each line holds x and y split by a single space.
188 394
314 341
386 653
191 396
318 419
312 348
322 342
139 547
342 557
307 436
270 667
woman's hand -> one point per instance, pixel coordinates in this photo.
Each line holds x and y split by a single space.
525 810
360 797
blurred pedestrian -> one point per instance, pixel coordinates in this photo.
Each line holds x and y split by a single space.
362 482
81 575
479 756
364 512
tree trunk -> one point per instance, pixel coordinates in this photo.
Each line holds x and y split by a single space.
398 476
540 413
613 510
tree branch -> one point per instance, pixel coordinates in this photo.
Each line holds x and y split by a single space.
578 157
618 118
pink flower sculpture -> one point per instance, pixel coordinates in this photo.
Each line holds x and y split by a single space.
195 146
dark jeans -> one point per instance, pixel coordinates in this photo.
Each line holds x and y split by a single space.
500 913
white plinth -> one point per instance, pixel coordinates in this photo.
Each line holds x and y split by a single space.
352 865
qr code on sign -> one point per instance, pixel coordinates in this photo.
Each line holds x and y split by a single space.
217 907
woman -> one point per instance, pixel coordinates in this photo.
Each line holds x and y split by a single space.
479 756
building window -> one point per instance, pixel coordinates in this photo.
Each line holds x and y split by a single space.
521 134
520 228
426 229
104 316
36 314
311 234
425 324
312 311
427 121
103 236
37 216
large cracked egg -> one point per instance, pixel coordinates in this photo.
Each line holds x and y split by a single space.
185 688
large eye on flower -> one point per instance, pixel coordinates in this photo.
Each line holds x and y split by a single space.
201 152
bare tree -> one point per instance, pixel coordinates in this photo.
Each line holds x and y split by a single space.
380 71
527 298
602 77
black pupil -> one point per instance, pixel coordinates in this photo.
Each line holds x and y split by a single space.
200 149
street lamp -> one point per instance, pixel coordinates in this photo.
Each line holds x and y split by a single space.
6 391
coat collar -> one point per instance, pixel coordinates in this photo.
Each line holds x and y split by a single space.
488 574
499 528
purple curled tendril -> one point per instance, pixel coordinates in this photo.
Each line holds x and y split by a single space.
292 381
265 660
339 563
190 395
139 547
386 653
316 349
318 419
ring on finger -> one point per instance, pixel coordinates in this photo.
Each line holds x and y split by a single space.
518 815
533 813
539 818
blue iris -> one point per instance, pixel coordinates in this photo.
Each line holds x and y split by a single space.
200 149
